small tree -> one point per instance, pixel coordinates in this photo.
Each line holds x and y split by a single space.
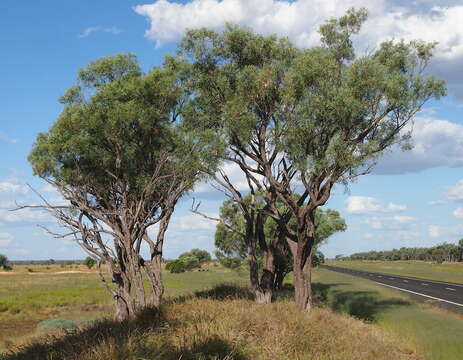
3 261
89 262
119 158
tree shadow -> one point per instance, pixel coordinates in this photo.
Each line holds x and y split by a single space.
73 344
365 305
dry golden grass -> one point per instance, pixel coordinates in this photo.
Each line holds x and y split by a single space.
223 327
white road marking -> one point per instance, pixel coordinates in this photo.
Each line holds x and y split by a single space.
424 284
405 280
450 289
413 292
391 278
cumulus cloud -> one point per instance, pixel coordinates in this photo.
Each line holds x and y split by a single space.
455 192
299 20
5 239
369 205
436 143
12 188
92 29
458 213
396 222
437 202
434 230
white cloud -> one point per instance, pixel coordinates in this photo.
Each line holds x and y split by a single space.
369 205
396 222
455 193
436 143
5 138
93 29
403 219
5 239
25 217
458 213
368 236
300 19
434 230
437 202
11 188
192 222
374 222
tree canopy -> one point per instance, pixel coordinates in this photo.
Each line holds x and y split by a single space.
319 116
119 157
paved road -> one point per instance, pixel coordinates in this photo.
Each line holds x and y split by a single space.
449 295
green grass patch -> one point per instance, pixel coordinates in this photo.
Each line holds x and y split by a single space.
427 330
448 272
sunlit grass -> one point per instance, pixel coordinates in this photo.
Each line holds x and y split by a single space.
428 330
450 272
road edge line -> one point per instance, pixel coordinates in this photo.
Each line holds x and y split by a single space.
416 293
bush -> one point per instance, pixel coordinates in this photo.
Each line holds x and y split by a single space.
56 324
177 267
89 262
190 262
30 270
201 255
3 261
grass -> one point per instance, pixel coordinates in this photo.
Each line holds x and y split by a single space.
431 332
222 324
26 298
448 272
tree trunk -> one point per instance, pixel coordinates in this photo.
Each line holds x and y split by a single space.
279 278
123 301
155 276
302 267
264 292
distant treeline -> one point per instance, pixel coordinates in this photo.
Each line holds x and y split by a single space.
439 253
46 262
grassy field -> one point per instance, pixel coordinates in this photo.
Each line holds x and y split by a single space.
450 272
233 327
74 293
426 329
222 323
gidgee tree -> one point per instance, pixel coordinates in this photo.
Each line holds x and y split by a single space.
119 159
304 120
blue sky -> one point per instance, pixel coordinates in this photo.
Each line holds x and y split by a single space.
411 199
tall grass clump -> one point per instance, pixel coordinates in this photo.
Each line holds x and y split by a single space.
222 323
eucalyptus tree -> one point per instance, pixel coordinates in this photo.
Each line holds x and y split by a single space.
118 157
299 121
231 242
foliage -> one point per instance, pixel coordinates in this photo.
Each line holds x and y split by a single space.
176 266
318 259
3 261
89 262
119 157
232 248
320 115
201 255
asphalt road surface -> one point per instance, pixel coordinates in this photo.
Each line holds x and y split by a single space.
448 295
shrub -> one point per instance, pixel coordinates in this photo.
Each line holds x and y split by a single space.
56 324
30 270
177 267
190 262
